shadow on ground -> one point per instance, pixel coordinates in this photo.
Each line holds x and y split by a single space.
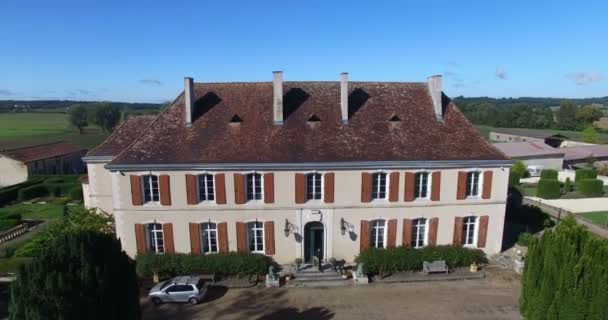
4 298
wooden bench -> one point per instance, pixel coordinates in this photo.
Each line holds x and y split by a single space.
434 267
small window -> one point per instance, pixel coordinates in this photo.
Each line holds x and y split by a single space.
236 119
313 186
473 184
469 226
377 233
154 238
421 185
379 185
205 187
419 230
254 186
255 237
314 118
394 118
150 185
208 237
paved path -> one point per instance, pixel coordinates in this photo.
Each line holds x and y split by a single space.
495 297
577 205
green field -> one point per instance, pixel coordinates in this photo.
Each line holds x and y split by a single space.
598 217
573 135
23 129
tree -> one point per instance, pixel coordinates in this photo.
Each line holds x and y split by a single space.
589 135
566 116
519 168
106 116
586 115
78 117
83 275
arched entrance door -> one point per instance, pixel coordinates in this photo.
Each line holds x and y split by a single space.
314 238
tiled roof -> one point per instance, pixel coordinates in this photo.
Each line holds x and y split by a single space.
368 135
42 151
532 133
123 136
527 149
585 152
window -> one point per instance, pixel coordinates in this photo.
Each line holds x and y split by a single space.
205 187
421 185
418 233
255 237
379 185
180 288
377 236
154 238
313 186
208 237
469 224
473 184
254 186
150 185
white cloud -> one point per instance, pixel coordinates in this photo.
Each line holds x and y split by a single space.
5 92
501 73
584 78
153 82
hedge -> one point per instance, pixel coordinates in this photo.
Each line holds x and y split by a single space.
548 174
35 191
226 264
6 224
514 178
10 194
590 187
585 173
377 261
548 189
47 189
76 193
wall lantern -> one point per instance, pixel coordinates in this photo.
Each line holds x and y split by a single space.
289 227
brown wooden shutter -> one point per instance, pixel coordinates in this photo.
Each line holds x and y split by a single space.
300 188
191 189
435 186
140 238
195 238
461 189
409 187
269 237
391 233
393 189
220 188
328 180
406 239
433 224
486 192
222 236
457 241
165 190
483 231
364 236
268 187
168 238
239 188
136 190
366 187
241 237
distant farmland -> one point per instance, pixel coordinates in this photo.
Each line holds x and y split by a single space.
23 129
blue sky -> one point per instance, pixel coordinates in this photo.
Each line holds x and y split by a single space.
140 51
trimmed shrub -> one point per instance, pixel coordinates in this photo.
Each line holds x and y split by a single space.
514 178
76 193
227 264
10 194
520 168
6 224
548 189
32 192
585 173
548 174
405 259
568 185
590 187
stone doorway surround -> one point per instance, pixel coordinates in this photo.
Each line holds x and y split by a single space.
324 216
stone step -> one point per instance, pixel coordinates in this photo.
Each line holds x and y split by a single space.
318 284
328 277
317 273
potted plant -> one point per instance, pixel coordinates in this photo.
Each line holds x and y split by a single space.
298 262
333 262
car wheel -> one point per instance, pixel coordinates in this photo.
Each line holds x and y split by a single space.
193 301
156 301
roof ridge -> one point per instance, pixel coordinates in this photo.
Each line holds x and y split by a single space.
117 129
314 81
39 145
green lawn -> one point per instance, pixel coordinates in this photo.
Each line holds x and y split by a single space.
573 135
529 190
35 211
598 217
21 129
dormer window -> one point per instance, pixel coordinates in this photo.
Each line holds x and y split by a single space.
394 118
236 119
314 118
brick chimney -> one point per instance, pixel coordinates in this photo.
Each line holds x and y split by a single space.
344 96
277 105
434 85
189 99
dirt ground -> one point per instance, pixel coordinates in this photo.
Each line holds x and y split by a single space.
494 297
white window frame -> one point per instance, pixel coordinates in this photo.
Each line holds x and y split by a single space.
479 184
142 179
198 188
263 251
428 184
152 237
247 200
208 238
322 179
386 186
466 226
374 233
416 232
